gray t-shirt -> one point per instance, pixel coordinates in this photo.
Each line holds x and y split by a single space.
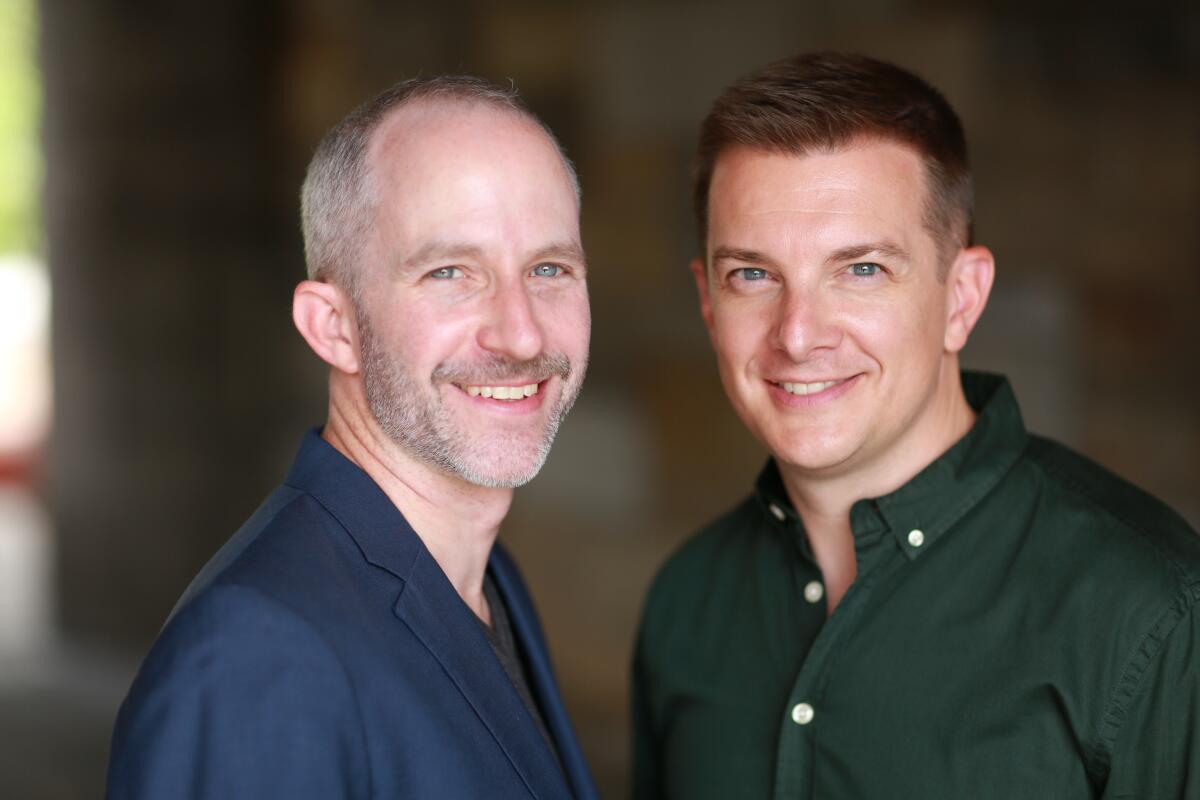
504 644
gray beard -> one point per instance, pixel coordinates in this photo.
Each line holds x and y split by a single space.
419 425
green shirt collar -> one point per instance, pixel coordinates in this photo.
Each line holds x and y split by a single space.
920 512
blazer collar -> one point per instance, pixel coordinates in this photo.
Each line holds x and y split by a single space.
356 501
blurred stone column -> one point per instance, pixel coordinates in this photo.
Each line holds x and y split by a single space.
173 247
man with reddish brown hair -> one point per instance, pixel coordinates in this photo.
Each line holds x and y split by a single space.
919 599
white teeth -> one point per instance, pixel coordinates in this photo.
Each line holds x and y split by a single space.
808 388
503 392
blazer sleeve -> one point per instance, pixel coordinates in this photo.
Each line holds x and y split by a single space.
239 698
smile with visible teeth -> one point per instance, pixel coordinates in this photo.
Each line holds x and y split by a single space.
808 388
503 392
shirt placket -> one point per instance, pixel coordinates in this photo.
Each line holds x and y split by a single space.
800 724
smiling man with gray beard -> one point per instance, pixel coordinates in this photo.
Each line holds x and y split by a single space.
363 635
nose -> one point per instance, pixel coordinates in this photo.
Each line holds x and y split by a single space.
510 327
806 324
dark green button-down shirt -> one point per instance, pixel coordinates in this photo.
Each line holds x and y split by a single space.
1023 625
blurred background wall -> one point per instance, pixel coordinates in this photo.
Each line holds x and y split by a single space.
174 137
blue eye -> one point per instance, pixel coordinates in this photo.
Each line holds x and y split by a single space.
864 270
751 273
446 273
546 271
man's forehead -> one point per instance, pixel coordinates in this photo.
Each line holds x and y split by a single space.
422 124
873 177
846 163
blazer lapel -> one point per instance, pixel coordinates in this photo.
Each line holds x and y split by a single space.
438 617
528 633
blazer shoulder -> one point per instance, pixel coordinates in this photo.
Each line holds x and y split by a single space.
281 549
251 531
239 697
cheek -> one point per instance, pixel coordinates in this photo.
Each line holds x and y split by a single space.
901 333
425 336
896 316
567 323
737 335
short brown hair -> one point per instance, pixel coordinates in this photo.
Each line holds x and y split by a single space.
337 201
822 101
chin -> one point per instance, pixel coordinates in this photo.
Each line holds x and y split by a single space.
497 480
811 456
501 472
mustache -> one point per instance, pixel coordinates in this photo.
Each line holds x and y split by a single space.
495 369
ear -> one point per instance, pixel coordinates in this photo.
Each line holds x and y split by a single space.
325 318
700 273
970 280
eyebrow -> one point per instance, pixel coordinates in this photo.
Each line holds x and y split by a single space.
724 253
565 251
438 250
856 251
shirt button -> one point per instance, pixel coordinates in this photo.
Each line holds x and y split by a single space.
916 538
814 591
802 713
778 512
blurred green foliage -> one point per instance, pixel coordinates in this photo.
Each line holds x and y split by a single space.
20 108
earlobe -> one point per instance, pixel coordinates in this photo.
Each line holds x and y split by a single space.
970 280
700 273
325 318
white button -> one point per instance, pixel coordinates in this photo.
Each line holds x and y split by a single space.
802 713
916 538
814 591
778 512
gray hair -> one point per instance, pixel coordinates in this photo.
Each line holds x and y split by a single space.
338 198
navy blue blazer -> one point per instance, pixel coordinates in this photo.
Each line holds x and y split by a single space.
323 653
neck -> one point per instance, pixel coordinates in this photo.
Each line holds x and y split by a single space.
457 521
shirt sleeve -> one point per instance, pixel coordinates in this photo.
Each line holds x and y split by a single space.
239 698
1157 750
